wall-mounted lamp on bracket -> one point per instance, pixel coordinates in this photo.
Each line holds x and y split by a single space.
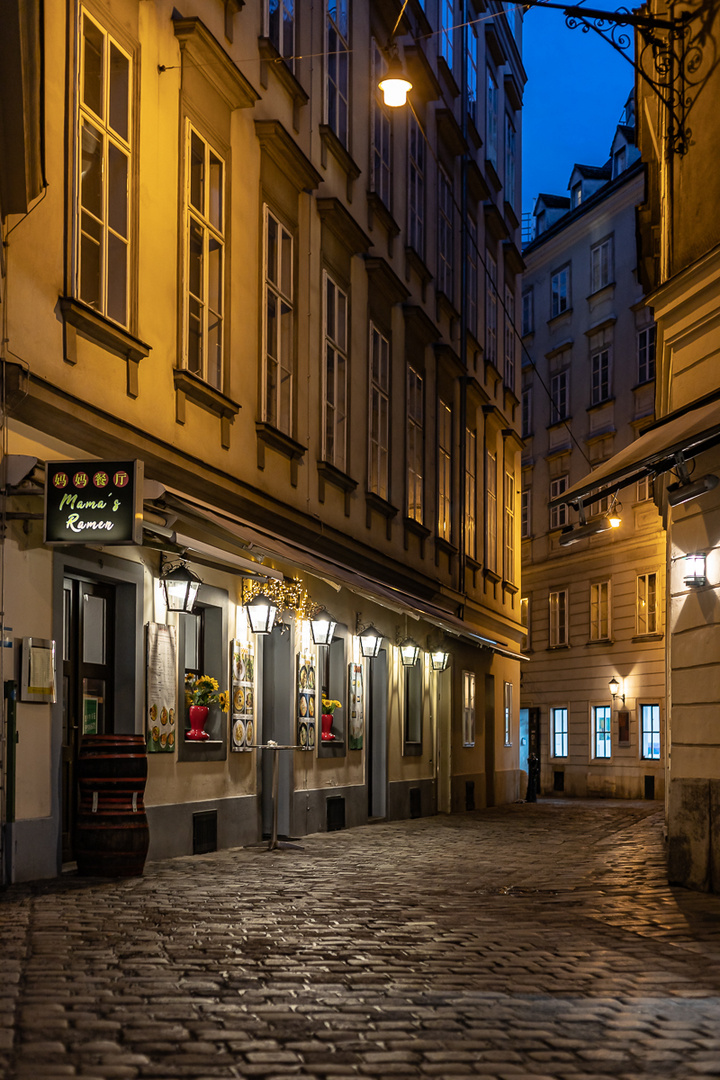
409 651
439 659
370 642
695 569
261 611
180 585
614 687
322 627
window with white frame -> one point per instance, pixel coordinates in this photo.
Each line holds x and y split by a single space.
379 426
650 732
507 712
445 233
525 513
336 375
471 71
471 277
509 528
510 345
104 173
444 524
446 31
525 622
470 493
280 28
491 134
560 291
647 604
510 159
527 411
491 529
416 187
560 396
600 376
558 606
415 444
279 361
559 513
646 353
337 67
468 708
559 722
204 259
602 738
528 311
644 489
490 308
600 611
381 131
601 264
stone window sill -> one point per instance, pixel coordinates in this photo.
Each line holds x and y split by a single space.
79 318
207 397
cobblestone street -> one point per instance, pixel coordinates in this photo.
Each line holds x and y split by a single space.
537 940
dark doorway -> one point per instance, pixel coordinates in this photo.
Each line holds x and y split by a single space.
88 682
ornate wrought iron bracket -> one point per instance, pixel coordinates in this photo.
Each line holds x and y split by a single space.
675 54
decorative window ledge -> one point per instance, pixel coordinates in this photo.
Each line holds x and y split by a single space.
78 318
412 749
330 474
491 575
267 435
271 60
331 748
331 144
414 261
605 292
555 320
510 587
378 211
446 307
380 506
647 637
214 401
444 547
600 641
416 528
204 52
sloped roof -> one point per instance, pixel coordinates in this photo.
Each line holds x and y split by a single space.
552 202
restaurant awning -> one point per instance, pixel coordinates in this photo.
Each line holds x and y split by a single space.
688 433
259 541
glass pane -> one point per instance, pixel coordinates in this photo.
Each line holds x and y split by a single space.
215 275
271 392
197 170
330 308
272 253
93 648
215 210
93 707
67 609
272 325
117 191
191 626
91 188
90 261
117 279
119 92
195 261
341 320
214 372
93 67
195 353
330 376
286 264
286 337
274 24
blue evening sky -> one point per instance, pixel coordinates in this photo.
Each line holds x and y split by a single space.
576 91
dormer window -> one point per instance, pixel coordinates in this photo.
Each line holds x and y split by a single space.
619 161
576 194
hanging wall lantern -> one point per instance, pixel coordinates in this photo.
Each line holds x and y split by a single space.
439 659
409 652
180 586
370 642
261 611
695 569
322 627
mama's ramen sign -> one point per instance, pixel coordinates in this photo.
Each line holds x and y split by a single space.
93 502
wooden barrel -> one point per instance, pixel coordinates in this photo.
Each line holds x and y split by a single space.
111 829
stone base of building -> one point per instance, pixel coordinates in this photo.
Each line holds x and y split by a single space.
694 834
183 828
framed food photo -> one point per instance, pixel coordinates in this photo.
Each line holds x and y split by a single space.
242 696
306 704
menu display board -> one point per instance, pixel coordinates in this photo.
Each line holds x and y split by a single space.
242 696
357 706
95 502
306 702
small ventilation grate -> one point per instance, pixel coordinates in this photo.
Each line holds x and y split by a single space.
469 794
335 813
204 832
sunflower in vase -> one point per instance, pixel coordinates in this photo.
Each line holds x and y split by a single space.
202 691
328 710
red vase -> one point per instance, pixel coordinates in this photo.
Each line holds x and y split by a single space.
198 715
326 721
